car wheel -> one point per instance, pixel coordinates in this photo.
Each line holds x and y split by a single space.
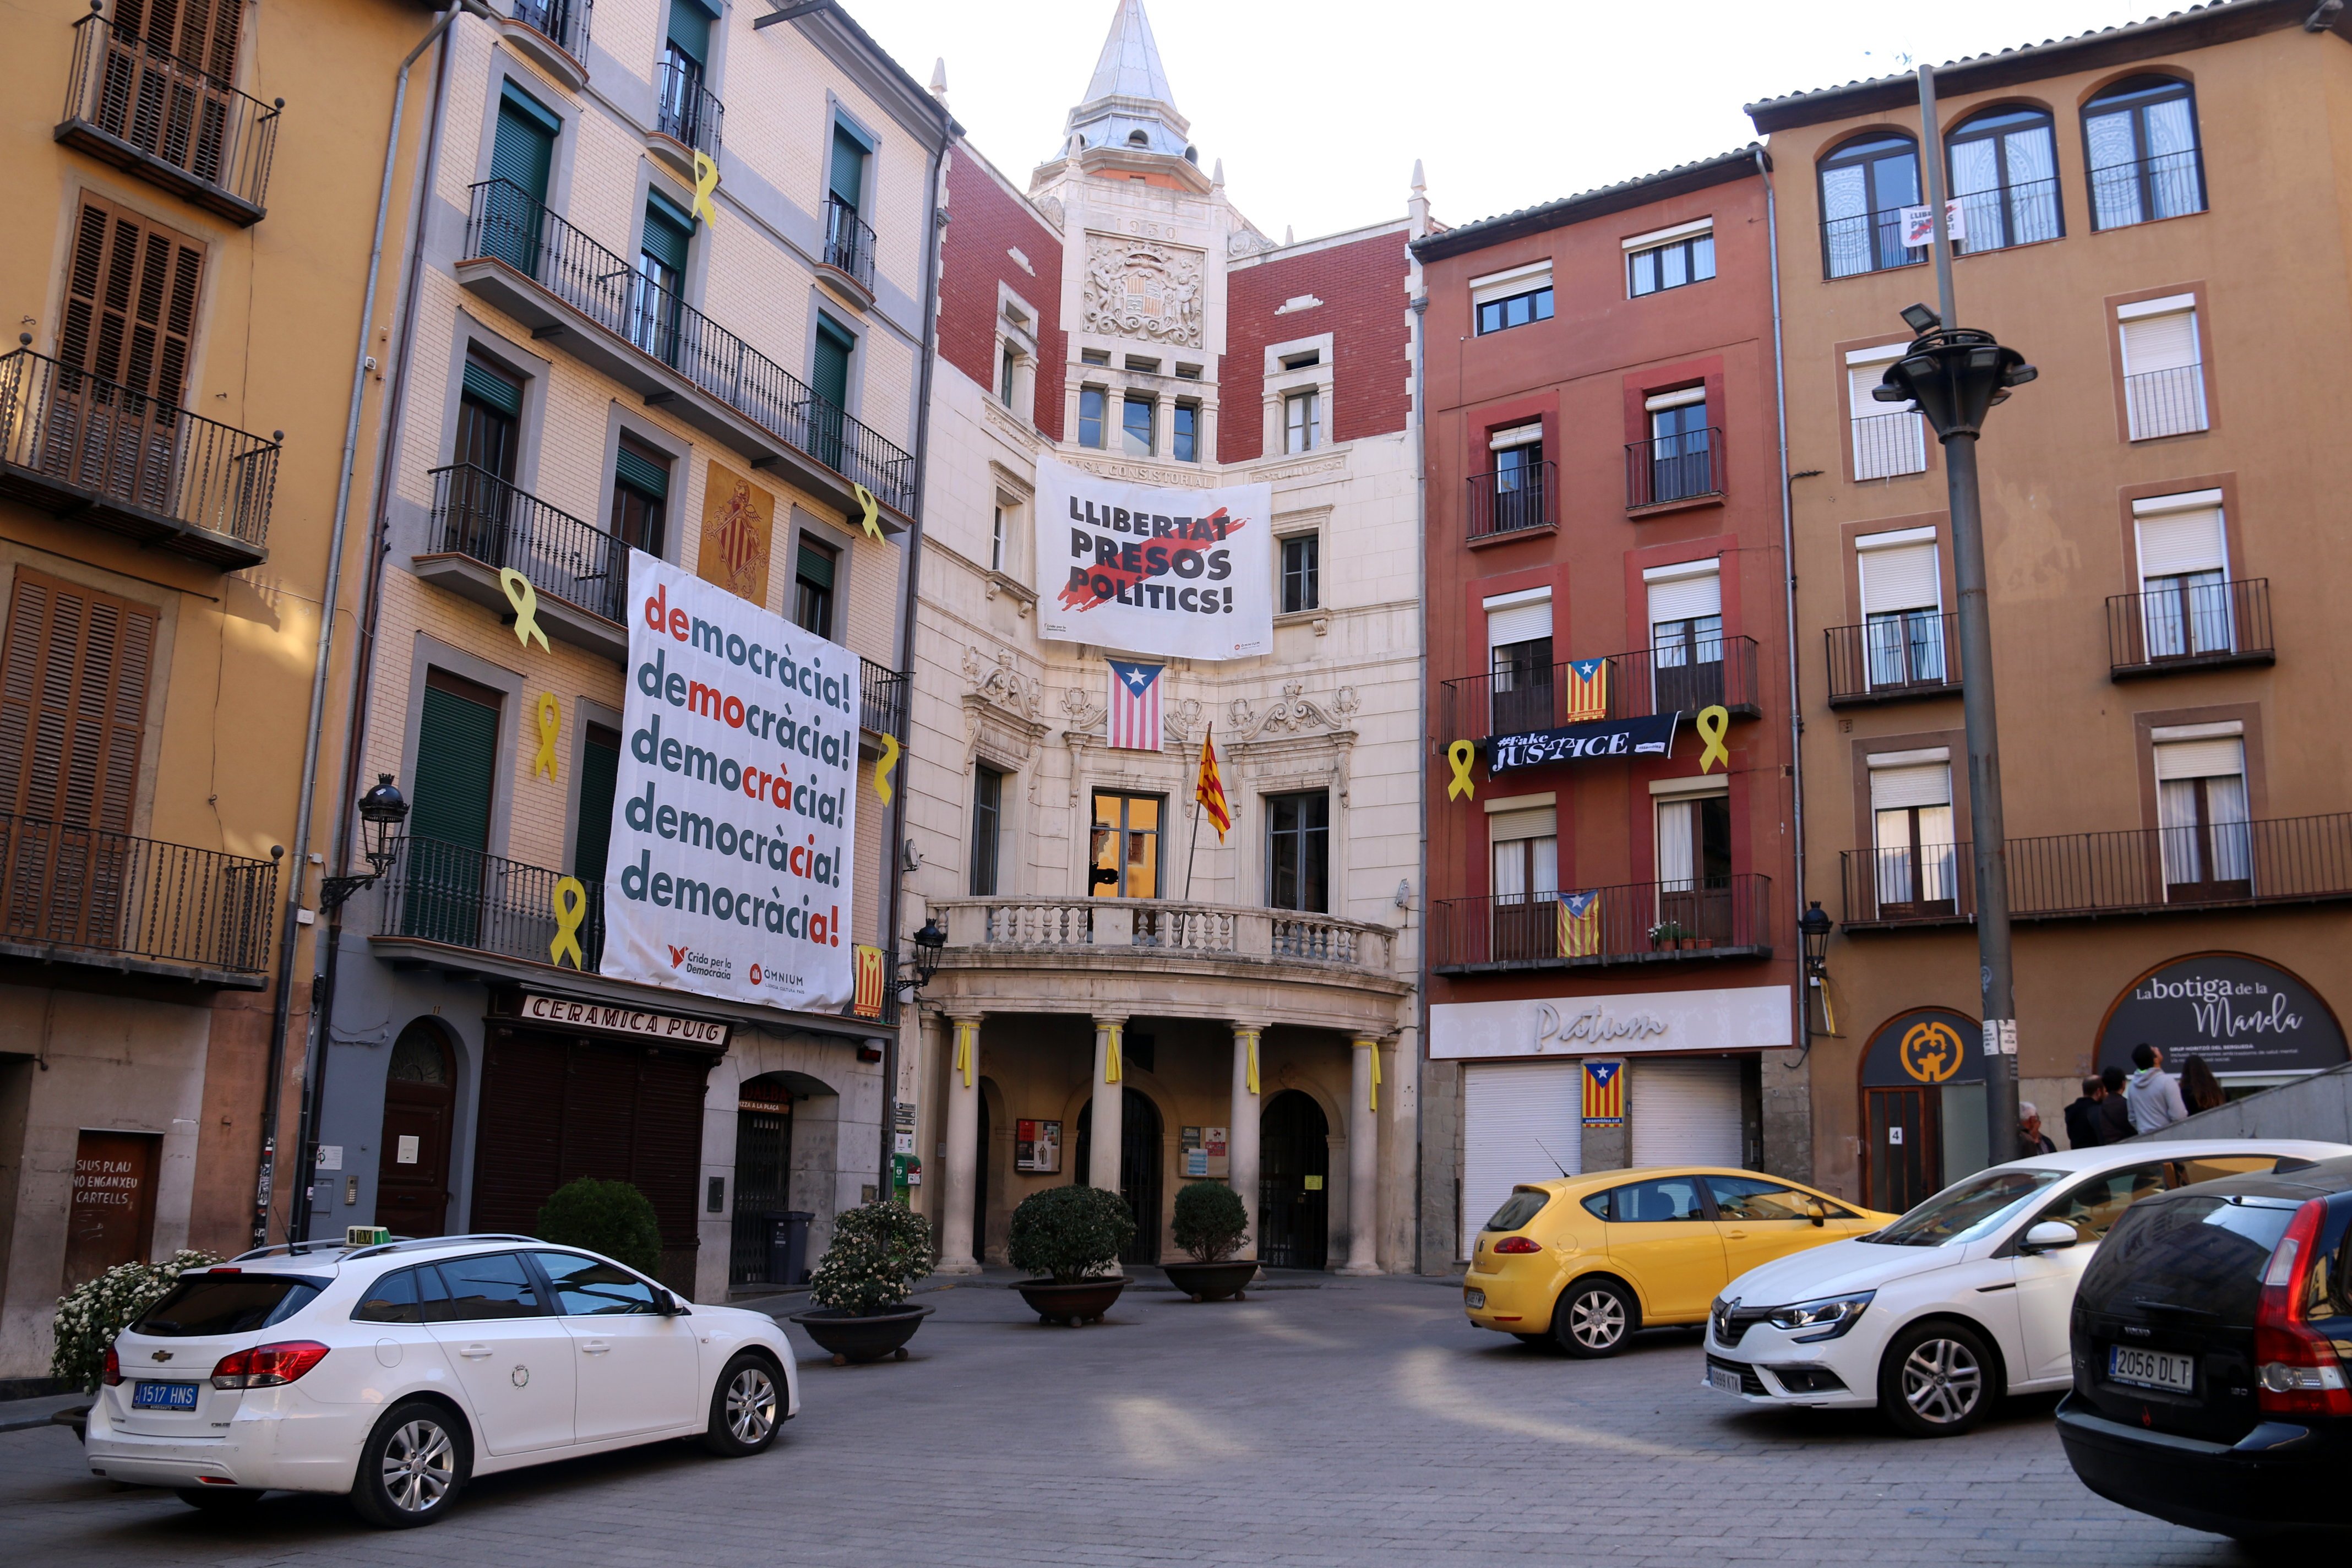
1937 1380
1593 1318
746 1408
413 1467
219 1499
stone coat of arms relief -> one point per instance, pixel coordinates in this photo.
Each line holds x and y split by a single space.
1141 288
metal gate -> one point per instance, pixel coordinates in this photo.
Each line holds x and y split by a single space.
1138 1169
763 1158
1294 1182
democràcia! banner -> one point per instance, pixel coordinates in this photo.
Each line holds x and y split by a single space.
1189 573
735 812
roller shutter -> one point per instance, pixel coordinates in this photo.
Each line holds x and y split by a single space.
1925 784
1518 622
1684 1112
1517 1118
1685 599
1900 577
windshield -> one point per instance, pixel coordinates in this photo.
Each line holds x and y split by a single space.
1967 1210
201 1305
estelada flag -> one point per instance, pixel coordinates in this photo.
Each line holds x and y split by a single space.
867 1001
1209 789
1579 925
1604 1093
1588 690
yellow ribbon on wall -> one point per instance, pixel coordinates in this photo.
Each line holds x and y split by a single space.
883 766
1374 1047
525 600
1714 723
571 901
963 1033
551 725
872 521
1111 1073
1461 754
705 181
1252 1061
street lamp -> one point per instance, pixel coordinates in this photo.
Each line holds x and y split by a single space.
927 944
1815 926
382 811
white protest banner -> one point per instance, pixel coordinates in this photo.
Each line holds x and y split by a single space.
1188 573
1919 225
735 812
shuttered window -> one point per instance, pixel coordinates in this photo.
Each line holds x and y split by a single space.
642 467
2164 375
1518 1118
848 171
829 372
2186 540
689 30
1918 784
600 769
456 771
1889 439
2164 341
1684 1113
1899 577
73 703
2216 757
130 300
204 33
1518 622
522 150
669 231
1686 598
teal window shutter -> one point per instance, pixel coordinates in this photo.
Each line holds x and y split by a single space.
848 166
647 478
600 769
488 387
830 372
522 149
669 230
689 30
815 567
456 764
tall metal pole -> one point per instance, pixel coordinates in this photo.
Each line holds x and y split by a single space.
1985 820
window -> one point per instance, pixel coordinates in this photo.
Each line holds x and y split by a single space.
987 827
1512 298
1005 362
204 1305
2094 1208
2004 169
640 494
2184 570
1140 362
522 151
1519 663
1865 185
1669 258
453 785
492 1287
1911 833
1299 422
586 1288
1746 1198
2201 803
1665 1199
681 107
1090 416
1302 571
1685 636
1185 443
996 540
2139 141
2164 367
1135 426
660 283
1902 608
1518 482
1524 848
1188 373
845 175
403 1295
1094 356
815 567
1307 361
1681 449
1298 851
481 494
591 834
130 301
1693 868
1889 439
1126 844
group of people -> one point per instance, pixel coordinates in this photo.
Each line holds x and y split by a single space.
2115 1105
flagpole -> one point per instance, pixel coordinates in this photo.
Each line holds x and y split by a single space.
1198 808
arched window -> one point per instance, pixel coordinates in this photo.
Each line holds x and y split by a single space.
2139 139
1865 185
2004 168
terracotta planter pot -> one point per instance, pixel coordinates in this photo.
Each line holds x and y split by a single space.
863 1336
1079 1301
1211 1281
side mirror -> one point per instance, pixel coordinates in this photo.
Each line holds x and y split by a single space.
1816 1213
2050 1235
672 1307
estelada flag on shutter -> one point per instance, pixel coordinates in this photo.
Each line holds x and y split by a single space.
1209 789
867 1002
1604 1094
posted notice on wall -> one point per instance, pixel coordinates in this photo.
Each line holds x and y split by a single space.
735 811
1189 573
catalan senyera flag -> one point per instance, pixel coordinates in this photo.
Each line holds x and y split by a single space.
1588 690
1579 925
1209 789
872 979
1604 1093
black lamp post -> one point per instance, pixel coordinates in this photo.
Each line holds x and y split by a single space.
382 811
1813 928
925 961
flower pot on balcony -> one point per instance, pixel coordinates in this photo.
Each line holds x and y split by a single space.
1704 944
1211 1281
1689 944
856 1337
1071 1302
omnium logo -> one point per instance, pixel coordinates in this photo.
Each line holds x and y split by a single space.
695 962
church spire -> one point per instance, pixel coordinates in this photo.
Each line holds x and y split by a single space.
1129 103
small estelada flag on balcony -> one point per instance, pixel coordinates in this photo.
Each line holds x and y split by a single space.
872 979
1579 925
1588 690
1133 722
1209 789
1604 1093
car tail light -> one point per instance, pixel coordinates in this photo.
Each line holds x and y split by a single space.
2298 1373
1515 1245
267 1366
114 1368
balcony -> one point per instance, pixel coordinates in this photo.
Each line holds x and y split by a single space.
481 525
1692 921
2143 871
554 35
1717 671
2160 403
1866 242
535 267
135 906
85 448
2189 624
2170 184
849 244
2024 214
882 698
1894 658
686 113
133 103
1512 503
1887 446
1670 471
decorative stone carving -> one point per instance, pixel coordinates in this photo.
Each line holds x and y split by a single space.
1003 685
1142 288
1052 208
1247 242
1292 713
1080 711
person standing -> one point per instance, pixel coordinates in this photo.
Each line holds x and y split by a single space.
2114 1111
2199 1089
2154 1094
2031 1139
2084 1128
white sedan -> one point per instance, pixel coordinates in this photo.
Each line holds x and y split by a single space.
1963 1299
393 1372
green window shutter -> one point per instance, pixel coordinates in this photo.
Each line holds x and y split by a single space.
667 232
522 150
848 166
600 769
456 771
689 30
488 386
830 371
815 567
647 478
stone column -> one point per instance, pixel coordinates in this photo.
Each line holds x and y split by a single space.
1363 1160
961 1179
1242 1131
1108 1123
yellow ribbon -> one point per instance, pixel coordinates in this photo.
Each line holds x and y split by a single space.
1461 755
1713 724
872 521
963 1051
525 600
1373 1047
1252 1061
571 907
551 725
705 181
1110 1056
882 767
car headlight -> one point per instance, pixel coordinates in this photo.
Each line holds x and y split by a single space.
1827 1318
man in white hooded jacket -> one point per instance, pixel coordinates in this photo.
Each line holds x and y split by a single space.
2152 1095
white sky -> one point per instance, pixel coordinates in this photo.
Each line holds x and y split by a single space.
1319 107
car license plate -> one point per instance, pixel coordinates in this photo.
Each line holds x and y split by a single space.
1724 1379
1474 1300
163 1396
2151 1369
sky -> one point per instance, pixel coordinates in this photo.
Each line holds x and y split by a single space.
1318 108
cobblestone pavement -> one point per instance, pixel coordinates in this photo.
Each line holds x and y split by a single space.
1324 1421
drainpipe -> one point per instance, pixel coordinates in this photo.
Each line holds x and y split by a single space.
273 1087
1420 708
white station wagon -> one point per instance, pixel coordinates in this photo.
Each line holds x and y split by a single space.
394 1372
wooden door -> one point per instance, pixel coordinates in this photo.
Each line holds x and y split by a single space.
412 1183
1906 1160
110 1218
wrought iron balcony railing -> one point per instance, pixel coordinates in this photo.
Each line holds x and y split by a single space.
564 23
2186 623
1667 469
1913 653
2304 859
2021 213
882 698
1065 929
1886 444
2160 403
1712 671
684 109
1695 919
76 443
1866 242
477 514
135 104
848 242
1513 500
65 889
2170 184
503 224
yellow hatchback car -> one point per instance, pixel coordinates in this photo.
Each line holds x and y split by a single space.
1586 1261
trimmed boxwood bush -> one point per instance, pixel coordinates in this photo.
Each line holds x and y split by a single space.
1070 1233
610 1217
1210 1221
879 1251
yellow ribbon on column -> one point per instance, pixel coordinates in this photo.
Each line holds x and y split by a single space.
963 1033
1252 1061
1712 723
1111 1073
882 766
705 181
1374 1047
551 725
571 900
525 600
872 521
1460 754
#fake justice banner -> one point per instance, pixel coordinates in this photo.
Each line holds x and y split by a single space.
1189 573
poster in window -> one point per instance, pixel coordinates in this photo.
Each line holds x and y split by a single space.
1037 1147
1142 569
739 519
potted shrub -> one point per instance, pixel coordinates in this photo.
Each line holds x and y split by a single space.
1071 1238
1669 935
610 1217
1210 1225
880 1251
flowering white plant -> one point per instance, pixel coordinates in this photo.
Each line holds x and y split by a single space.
879 1251
92 1314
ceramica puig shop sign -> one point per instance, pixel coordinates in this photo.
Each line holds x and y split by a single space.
2238 1013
